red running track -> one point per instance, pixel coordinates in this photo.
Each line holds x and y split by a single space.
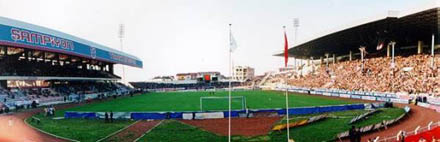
419 116
428 136
14 129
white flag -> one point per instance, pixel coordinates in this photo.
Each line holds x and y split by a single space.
232 43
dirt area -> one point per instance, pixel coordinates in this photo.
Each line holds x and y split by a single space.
134 131
240 126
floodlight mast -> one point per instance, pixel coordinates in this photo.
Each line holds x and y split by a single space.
295 27
121 37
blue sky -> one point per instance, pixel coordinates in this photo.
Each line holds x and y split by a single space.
175 36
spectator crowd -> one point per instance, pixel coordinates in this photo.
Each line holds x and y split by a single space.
411 74
19 98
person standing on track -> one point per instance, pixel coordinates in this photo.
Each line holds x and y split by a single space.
358 135
106 117
352 134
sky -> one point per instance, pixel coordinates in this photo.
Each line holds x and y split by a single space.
179 36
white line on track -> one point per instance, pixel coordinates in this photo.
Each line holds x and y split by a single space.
148 131
114 133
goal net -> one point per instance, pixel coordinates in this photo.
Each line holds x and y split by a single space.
222 103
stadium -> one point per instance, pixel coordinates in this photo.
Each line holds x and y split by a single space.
373 80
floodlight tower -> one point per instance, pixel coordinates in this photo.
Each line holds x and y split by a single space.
295 27
121 36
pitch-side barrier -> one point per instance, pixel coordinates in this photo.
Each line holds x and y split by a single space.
215 114
372 96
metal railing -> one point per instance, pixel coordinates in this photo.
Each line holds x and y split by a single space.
418 130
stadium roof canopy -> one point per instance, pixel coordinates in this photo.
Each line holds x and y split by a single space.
405 28
21 34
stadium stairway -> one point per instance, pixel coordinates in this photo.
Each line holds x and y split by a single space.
264 79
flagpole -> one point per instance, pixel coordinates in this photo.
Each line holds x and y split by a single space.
287 96
230 86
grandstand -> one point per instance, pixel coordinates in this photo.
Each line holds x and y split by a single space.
391 57
47 67
400 55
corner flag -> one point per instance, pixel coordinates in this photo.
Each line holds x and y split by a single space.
232 43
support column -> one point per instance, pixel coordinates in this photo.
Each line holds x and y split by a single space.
388 51
321 60
110 66
351 55
294 63
432 50
26 54
3 84
83 65
419 47
334 59
392 58
362 49
326 59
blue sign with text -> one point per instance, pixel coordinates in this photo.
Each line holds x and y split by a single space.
13 36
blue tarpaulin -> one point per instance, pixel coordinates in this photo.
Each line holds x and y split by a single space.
87 115
145 115
176 115
235 113
311 110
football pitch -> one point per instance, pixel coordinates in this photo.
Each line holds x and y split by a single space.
174 130
190 101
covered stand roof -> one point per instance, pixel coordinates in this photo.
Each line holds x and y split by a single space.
406 30
21 34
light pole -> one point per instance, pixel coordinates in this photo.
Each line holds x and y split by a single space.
295 27
121 36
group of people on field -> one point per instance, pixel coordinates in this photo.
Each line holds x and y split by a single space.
108 119
49 111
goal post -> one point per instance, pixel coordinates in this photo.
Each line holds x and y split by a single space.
214 103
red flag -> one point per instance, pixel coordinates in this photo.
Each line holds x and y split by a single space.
286 49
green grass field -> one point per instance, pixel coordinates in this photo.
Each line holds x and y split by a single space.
190 101
84 130
92 130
